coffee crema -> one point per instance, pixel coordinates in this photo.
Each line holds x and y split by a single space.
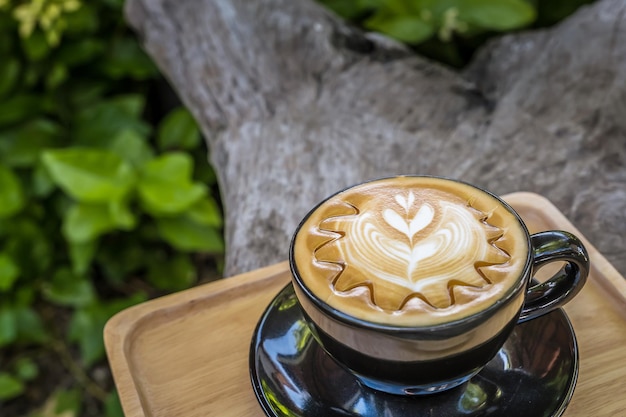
410 251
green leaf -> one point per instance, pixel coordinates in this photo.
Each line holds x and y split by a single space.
29 246
8 326
497 14
10 387
165 199
56 76
123 257
96 125
66 288
410 29
24 296
187 235
80 52
112 405
9 272
26 369
41 181
9 74
206 212
90 175
173 273
11 194
22 145
178 130
127 59
19 108
174 167
86 93
122 215
87 324
30 328
165 185
68 403
86 328
83 21
130 104
35 46
203 171
81 255
86 222
132 147
438 8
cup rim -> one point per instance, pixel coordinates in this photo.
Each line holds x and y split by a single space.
390 328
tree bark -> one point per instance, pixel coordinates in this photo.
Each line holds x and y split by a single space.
295 105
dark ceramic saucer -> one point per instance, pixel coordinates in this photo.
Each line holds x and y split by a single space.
534 374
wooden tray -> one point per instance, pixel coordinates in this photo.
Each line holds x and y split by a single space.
186 354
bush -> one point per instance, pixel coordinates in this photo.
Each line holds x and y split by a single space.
105 200
451 30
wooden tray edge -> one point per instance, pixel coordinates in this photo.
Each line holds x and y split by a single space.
119 329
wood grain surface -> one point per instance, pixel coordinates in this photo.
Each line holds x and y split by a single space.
186 354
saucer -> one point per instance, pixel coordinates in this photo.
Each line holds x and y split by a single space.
534 374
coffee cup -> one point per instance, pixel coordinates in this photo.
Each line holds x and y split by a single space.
414 283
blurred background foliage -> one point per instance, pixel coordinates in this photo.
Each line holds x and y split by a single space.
106 196
450 31
106 199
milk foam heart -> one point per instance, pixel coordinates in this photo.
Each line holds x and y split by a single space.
410 251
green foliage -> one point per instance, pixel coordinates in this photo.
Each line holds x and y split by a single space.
187 234
415 21
101 206
62 403
11 194
112 406
88 321
66 288
501 15
553 11
178 131
450 30
9 272
165 185
90 175
10 386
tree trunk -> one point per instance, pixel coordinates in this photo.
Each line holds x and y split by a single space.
295 105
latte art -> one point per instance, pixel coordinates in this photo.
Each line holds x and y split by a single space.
399 256
410 247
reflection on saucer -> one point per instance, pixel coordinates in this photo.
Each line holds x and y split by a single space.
534 374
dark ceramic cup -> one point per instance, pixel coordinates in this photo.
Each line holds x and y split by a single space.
434 353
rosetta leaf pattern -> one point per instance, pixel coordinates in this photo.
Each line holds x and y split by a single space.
413 250
409 227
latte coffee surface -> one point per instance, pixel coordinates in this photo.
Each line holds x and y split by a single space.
410 251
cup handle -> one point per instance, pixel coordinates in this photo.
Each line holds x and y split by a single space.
555 246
